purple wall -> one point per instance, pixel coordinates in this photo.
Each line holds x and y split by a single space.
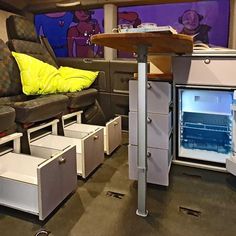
213 18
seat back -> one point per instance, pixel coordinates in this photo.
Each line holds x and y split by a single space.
10 83
23 39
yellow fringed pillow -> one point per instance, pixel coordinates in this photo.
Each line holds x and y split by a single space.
38 77
76 79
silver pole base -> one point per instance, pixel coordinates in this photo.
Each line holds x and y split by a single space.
141 214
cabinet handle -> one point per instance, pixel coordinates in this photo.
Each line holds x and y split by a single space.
62 160
207 61
116 123
149 86
149 154
149 120
95 137
86 60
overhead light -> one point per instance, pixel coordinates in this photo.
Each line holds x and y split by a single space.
68 3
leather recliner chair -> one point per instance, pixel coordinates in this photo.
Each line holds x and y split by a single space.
30 110
23 38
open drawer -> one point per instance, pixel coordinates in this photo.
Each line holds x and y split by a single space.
36 185
89 149
112 131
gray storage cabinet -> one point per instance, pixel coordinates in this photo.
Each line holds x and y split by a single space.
159 131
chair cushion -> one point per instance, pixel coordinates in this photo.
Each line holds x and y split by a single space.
7 118
40 108
82 99
9 101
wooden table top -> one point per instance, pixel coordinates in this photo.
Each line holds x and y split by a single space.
157 42
161 77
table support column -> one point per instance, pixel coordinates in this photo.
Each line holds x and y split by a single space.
142 130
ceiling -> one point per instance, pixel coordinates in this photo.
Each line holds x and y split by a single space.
50 5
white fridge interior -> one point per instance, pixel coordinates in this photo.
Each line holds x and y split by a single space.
205 124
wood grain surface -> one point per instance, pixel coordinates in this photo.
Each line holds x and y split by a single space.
156 42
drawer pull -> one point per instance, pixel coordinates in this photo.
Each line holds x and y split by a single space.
62 160
149 154
86 60
149 120
207 61
116 123
149 86
95 137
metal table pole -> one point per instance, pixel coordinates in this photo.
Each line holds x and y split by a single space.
142 130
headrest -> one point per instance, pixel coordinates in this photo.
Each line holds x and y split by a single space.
33 49
19 27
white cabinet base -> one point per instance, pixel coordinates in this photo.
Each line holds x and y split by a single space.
158 164
89 149
34 185
112 133
231 165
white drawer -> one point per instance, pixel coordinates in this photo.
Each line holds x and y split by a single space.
158 129
159 96
158 164
89 149
112 133
204 71
35 185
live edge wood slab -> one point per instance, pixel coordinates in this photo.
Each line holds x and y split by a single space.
156 42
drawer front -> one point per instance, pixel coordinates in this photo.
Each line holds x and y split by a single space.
159 96
68 172
57 178
120 73
104 100
120 107
158 130
204 71
92 152
157 164
113 135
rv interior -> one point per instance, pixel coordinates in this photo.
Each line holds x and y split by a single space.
117 118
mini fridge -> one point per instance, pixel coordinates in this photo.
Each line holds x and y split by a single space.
204 124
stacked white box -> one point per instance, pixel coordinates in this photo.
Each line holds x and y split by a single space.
159 131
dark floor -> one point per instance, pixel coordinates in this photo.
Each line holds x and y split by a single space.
92 212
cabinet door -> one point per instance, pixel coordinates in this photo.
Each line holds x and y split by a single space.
158 165
218 71
92 151
120 73
113 133
159 128
68 172
159 96
50 188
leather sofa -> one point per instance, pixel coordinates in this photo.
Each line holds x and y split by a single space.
30 110
23 38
